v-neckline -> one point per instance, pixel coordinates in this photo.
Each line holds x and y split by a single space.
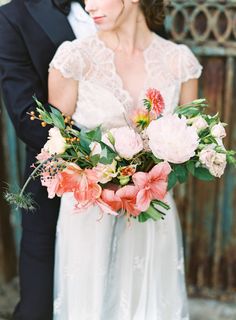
118 77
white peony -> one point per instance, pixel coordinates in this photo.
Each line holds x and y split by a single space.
56 143
218 131
171 139
215 162
127 142
199 123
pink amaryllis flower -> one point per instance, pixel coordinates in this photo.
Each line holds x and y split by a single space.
128 196
155 101
151 185
52 183
82 182
43 155
111 199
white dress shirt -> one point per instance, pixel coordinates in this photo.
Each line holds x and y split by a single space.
81 23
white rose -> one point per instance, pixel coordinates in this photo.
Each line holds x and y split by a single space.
218 131
206 156
56 143
199 123
215 162
219 164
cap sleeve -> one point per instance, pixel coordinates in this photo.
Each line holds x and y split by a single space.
190 68
69 60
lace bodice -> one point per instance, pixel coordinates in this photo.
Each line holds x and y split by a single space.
102 99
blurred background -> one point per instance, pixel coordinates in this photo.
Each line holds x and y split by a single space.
207 210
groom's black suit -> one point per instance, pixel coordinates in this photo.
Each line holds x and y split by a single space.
30 32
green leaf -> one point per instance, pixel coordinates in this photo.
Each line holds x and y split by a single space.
191 167
57 113
95 135
161 204
71 151
181 172
107 154
154 213
39 104
143 217
155 160
45 116
57 121
203 174
107 158
84 142
95 159
172 179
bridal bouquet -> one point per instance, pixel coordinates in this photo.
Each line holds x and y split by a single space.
129 170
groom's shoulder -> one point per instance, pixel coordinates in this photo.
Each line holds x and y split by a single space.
13 11
12 6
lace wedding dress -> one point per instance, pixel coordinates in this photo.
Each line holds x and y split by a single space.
106 269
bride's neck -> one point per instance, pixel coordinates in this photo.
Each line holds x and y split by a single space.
129 37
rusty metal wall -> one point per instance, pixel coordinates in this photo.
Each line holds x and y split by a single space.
208 210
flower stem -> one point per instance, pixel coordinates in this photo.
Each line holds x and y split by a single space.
31 176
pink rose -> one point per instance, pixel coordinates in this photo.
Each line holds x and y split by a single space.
127 142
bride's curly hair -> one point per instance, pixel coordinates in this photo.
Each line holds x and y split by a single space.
154 12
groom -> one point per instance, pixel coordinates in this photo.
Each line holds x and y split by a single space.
30 32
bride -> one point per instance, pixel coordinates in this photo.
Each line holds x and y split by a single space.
105 269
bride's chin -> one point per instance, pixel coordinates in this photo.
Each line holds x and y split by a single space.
105 27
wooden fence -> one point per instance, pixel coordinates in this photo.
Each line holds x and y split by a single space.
208 209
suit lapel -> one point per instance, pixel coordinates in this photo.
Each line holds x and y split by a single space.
51 20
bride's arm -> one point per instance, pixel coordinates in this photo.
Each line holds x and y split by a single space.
62 92
189 91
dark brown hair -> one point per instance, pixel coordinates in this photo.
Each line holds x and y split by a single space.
154 13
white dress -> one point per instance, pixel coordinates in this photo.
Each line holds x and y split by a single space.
106 269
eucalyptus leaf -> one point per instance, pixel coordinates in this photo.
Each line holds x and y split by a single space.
45 116
57 121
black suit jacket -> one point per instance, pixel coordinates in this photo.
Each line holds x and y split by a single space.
30 33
